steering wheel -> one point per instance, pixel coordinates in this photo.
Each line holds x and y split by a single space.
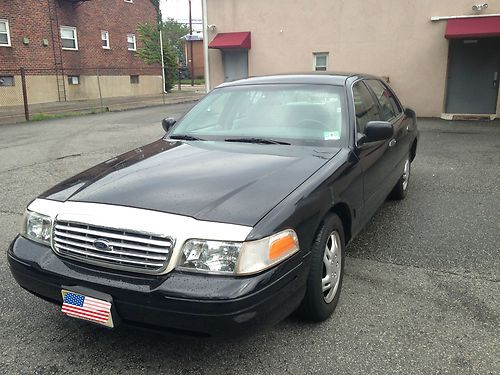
311 123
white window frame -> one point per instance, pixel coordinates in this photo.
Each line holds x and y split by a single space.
135 42
108 46
73 80
8 33
75 33
315 57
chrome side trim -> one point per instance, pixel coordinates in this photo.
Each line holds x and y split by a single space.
159 224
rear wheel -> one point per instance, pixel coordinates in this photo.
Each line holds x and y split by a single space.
400 190
327 269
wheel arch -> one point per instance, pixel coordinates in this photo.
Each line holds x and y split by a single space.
342 210
413 150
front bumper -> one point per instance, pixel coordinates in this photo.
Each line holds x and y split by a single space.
178 302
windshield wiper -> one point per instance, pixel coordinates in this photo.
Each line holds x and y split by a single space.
185 137
263 141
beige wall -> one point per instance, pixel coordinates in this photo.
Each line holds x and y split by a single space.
113 86
393 38
43 89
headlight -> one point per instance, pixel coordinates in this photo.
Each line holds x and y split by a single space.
238 258
37 227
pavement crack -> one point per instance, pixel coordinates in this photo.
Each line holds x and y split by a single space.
69 156
48 161
435 270
11 212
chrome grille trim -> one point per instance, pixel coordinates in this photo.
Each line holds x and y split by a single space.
113 243
117 236
132 250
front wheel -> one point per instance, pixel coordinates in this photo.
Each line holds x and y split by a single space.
326 273
401 189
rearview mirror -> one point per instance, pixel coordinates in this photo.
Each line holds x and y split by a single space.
167 123
410 113
378 131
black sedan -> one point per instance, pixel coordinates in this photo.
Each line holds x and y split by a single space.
237 217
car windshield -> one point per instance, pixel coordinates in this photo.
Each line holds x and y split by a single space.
269 114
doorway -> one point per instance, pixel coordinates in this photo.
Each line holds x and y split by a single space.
473 73
235 64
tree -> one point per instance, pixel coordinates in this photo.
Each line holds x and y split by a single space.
151 51
174 32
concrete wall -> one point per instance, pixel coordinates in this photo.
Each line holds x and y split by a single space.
393 38
40 89
43 88
113 86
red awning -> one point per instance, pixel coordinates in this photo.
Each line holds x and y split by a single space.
239 40
475 27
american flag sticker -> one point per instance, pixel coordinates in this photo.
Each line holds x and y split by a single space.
87 308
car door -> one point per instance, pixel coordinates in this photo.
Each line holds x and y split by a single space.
373 156
392 112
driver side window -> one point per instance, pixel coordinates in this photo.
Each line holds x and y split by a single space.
365 107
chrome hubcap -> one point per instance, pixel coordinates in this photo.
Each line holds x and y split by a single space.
406 174
332 262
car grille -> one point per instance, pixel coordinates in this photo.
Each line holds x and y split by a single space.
124 249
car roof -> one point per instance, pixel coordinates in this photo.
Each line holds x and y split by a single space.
324 78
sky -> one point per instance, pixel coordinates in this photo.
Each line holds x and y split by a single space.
179 10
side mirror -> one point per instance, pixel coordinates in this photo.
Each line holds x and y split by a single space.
410 113
167 123
378 131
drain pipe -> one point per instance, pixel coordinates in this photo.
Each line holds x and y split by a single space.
205 45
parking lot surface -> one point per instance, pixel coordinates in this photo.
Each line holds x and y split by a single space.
420 295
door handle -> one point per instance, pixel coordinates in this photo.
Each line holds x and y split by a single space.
392 143
495 79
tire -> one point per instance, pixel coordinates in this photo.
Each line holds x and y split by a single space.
329 243
400 190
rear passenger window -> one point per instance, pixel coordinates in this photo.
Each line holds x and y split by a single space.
390 106
366 108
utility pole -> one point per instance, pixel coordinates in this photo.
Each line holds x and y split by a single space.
191 44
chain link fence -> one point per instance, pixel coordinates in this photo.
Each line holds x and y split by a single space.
34 94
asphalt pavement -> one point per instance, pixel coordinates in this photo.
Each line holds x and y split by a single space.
421 290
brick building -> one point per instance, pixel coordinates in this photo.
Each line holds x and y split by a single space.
64 45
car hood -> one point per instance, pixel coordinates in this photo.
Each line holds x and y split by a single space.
224 182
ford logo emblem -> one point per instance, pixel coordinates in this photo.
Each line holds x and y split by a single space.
103 245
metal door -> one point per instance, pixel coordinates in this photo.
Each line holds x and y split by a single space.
473 71
235 65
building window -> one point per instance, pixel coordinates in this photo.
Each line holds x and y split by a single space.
134 79
6 81
73 80
68 38
131 42
4 33
105 39
320 62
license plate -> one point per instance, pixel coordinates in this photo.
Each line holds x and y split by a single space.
87 308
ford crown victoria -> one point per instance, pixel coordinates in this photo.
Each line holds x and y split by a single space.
237 217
